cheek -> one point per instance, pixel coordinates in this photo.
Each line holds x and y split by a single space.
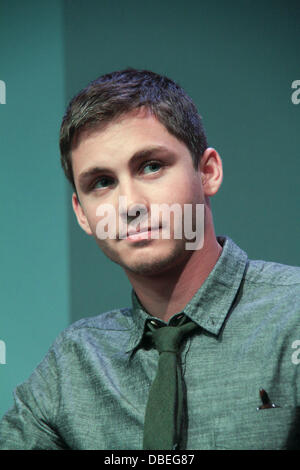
104 221
92 217
184 190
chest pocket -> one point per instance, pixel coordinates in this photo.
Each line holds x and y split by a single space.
268 429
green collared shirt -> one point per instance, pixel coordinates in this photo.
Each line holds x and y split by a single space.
91 389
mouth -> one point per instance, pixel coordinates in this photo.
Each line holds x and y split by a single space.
142 234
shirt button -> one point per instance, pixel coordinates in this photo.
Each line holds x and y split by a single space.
153 322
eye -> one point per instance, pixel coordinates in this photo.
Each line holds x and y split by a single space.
152 167
102 182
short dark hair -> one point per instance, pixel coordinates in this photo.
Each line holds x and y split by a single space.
120 92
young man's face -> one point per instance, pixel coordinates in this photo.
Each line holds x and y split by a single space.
109 163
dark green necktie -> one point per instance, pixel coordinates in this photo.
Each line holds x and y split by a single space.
165 407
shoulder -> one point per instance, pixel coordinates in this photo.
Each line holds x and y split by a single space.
272 274
78 347
111 327
272 292
111 320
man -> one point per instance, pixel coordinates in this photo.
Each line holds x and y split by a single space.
130 142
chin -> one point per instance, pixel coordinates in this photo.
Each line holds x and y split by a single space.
147 260
150 264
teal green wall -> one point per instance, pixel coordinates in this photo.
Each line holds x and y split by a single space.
34 277
237 60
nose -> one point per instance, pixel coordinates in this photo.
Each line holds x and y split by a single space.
132 201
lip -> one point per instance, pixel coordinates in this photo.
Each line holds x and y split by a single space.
145 229
143 234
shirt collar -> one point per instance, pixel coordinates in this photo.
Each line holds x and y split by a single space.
212 302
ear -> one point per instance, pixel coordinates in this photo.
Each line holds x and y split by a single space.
211 170
81 217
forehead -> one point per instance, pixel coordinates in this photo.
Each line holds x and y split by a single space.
121 138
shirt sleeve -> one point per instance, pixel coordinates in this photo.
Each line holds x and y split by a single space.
31 422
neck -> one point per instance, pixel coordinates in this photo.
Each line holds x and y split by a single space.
166 294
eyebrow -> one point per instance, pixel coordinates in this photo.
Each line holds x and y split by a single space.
146 152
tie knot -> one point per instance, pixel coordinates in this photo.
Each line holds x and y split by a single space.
168 338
